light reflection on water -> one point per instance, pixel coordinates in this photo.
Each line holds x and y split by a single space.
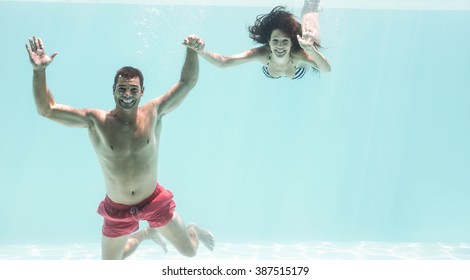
227 251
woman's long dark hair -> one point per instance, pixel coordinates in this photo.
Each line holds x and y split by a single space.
280 19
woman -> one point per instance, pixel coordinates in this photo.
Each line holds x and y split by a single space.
289 49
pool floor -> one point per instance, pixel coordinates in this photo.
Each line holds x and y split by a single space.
233 251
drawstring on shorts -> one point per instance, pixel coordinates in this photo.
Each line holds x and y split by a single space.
135 212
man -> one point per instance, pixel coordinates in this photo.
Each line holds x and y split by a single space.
126 140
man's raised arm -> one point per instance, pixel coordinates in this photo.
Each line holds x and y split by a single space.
188 79
45 103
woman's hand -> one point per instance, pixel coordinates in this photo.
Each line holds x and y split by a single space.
194 42
308 42
308 39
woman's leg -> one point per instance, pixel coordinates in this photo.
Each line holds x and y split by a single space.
310 22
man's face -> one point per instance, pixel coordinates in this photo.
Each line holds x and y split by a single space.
127 93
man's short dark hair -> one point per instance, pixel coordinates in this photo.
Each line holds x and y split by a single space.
129 72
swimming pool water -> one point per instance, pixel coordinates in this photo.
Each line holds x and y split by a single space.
368 161
235 251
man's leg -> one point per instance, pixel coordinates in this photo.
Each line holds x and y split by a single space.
122 247
113 248
136 238
186 239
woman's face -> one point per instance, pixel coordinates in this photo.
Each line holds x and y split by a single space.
280 43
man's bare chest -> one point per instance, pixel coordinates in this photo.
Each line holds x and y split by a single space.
124 138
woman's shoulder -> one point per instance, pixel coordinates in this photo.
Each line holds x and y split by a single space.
299 55
263 50
301 59
260 53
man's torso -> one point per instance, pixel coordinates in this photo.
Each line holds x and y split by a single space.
128 154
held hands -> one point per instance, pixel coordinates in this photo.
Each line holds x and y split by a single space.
308 39
37 56
195 43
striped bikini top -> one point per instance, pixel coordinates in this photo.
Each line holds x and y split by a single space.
299 72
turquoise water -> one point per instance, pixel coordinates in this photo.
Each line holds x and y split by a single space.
319 251
375 151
